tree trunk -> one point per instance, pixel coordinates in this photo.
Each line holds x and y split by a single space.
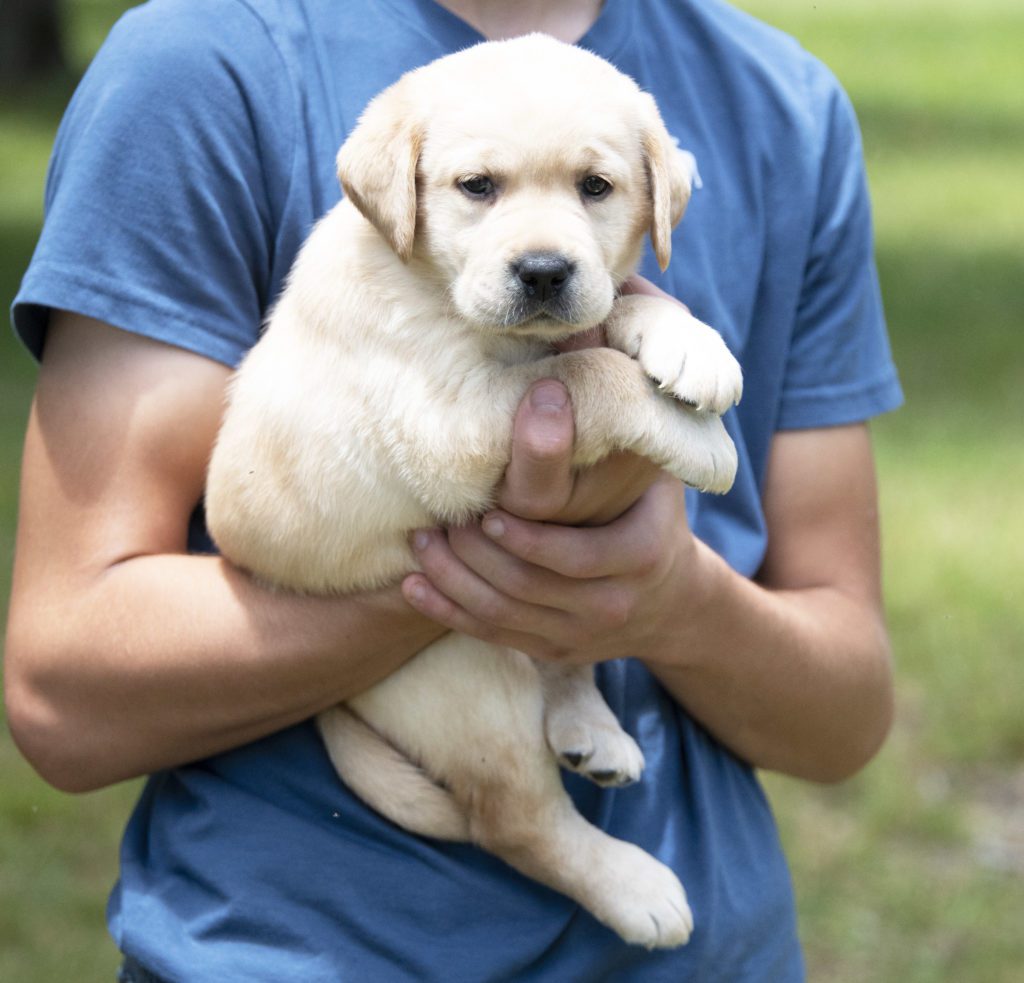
31 45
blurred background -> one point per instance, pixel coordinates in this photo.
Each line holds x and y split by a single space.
913 871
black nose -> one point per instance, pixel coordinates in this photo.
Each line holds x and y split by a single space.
542 274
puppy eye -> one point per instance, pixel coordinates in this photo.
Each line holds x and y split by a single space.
595 187
477 186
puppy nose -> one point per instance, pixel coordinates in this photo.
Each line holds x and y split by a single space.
542 274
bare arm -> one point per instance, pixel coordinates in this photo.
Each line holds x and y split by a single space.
125 654
792 672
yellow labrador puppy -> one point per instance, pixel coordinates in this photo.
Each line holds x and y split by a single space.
496 199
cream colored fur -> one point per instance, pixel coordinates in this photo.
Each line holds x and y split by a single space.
381 399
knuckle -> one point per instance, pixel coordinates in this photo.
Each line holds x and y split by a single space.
616 610
534 508
492 610
529 547
518 583
532 503
549 652
648 557
586 634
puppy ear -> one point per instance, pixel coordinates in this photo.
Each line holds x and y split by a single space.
669 179
377 167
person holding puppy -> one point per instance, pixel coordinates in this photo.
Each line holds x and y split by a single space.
192 162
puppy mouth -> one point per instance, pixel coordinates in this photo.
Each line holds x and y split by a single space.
544 294
529 312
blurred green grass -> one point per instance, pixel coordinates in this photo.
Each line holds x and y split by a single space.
913 871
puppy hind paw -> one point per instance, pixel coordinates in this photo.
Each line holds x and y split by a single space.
606 755
644 902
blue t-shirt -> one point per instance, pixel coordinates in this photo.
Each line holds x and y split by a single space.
194 159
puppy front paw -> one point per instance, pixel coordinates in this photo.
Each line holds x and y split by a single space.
687 358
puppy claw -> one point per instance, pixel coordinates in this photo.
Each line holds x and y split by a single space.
605 777
600 751
610 778
690 361
643 900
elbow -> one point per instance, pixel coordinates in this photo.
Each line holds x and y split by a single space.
39 737
852 756
865 727
42 730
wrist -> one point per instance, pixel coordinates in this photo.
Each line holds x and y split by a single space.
700 582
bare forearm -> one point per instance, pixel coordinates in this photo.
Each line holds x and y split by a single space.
165 659
796 681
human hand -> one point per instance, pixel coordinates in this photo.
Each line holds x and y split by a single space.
575 595
637 284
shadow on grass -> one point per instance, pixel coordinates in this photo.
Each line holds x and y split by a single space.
954 319
891 127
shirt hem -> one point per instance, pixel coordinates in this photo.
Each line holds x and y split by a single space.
838 405
50 287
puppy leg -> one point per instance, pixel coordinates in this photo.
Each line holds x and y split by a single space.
535 828
687 358
617 406
388 780
472 718
581 730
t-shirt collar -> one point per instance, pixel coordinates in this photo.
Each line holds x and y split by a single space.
611 30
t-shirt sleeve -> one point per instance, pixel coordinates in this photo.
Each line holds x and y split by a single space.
160 209
840 368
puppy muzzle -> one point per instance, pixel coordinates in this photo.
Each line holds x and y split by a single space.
541 284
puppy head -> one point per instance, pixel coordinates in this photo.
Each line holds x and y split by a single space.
524 174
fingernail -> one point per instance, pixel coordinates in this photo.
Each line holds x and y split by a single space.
493 526
416 593
420 540
548 396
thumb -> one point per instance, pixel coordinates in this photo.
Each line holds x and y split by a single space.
539 479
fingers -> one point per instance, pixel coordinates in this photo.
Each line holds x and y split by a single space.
431 603
539 481
552 591
464 598
609 489
470 596
508 573
637 284
634 545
